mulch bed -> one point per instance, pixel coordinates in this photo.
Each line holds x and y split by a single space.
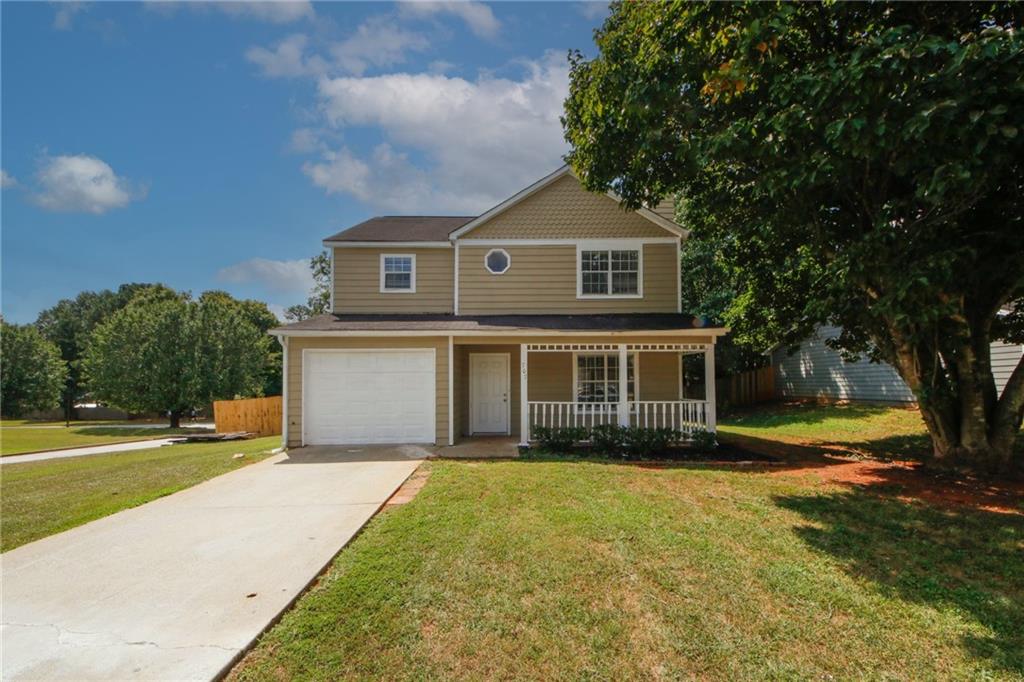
725 453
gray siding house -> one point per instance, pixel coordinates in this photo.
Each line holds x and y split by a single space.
817 371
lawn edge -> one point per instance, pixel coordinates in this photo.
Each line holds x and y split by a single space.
97 445
251 644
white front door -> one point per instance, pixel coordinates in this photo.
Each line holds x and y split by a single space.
488 392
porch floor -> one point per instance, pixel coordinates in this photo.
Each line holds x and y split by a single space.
481 447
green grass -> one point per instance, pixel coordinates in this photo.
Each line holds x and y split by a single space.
893 432
49 496
32 438
588 570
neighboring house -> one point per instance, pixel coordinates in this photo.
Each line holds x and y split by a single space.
556 307
817 371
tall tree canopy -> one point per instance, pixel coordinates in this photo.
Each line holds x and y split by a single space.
861 163
169 353
70 323
319 300
31 371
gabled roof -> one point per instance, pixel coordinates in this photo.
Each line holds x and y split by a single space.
402 229
647 213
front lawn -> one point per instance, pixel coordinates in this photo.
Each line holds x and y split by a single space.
15 440
569 570
42 498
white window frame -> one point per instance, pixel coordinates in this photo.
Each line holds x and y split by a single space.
508 256
581 406
412 278
609 246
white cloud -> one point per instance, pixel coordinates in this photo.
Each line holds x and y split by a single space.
64 18
593 10
477 16
473 140
82 183
377 42
304 141
287 59
278 276
7 180
272 11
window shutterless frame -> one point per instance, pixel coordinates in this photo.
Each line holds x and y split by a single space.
397 264
609 379
500 252
610 248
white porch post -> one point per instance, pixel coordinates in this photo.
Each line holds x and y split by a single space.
709 384
524 407
623 386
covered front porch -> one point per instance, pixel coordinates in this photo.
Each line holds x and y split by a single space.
511 388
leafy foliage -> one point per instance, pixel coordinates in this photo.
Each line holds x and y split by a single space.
703 440
607 439
319 301
559 439
32 374
854 164
170 353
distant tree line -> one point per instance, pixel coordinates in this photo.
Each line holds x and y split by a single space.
143 348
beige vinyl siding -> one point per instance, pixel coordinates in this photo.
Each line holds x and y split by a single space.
296 344
659 376
564 210
357 282
551 376
462 353
542 279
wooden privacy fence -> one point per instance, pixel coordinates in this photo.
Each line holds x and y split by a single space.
255 415
747 388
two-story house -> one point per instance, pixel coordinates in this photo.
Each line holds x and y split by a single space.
556 307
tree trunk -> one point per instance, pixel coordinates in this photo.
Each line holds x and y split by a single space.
175 416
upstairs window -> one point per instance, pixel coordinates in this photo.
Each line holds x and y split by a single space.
609 272
397 273
497 261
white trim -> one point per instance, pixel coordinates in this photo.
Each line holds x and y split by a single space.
679 276
455 295
386 245
511 201
508 393
451 391
412 278
306 352
544 182
371 333
524 403
331 251
611 350
709 388
508 257
615 241
609 245
283 340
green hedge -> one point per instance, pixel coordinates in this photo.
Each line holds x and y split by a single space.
620 441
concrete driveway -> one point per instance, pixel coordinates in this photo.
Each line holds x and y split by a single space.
177 588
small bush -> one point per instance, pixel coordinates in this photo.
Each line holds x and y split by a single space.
559 439
703 440
608 439
641 442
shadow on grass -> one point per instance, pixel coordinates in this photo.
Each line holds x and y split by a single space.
801 413
134 433
947 558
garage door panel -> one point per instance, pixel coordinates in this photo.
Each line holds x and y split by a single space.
369 397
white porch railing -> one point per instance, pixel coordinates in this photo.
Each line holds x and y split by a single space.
568 414
682 415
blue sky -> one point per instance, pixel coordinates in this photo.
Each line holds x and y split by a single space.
213 145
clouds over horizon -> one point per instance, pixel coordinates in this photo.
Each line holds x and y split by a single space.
82 183
276 276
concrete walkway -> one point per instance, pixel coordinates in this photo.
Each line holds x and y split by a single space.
178 588
91 450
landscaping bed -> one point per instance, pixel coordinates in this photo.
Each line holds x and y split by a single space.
725 452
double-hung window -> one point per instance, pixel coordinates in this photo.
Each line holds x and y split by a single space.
397 273
609 272
597 377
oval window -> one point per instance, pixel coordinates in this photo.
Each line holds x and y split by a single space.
497 261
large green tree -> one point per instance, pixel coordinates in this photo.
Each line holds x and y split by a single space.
172 354
70 323
862 165
31 371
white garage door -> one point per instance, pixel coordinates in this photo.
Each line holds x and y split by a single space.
368 396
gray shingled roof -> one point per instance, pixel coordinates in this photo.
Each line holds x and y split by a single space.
395 228
525 323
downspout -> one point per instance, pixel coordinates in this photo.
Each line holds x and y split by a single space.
283 340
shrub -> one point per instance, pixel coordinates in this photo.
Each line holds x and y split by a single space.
559 439
643 442
607 439
703 440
